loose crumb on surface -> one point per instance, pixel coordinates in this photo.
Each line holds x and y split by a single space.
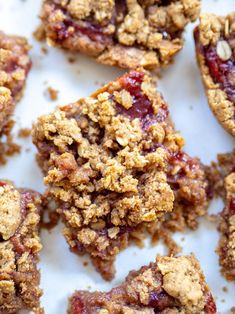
24 132
71 59
52 93
39 33
225 289
44 50
213 218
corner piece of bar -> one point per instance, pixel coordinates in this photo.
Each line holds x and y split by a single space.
170 285
115 166
19 248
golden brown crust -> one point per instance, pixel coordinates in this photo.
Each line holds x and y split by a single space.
126 33
19 247
168 286
219 33
114 163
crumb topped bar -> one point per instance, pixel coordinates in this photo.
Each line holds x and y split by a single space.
126 33
19 247
115 165
215 49
226 248
168 286
14 67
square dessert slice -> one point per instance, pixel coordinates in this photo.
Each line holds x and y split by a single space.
114 164
126 33
19 247
170 285
215 49
14 67
226 248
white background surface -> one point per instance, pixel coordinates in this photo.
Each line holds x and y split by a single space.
63 272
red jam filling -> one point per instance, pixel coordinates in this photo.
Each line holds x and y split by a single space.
93 31
183 158
222 72
77 306
210 307
187 164
232 205
11 66
160 301
142 107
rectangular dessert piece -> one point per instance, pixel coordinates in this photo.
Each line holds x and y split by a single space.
215 49
14 67
19 247
226 247
115 166
126 33
170 285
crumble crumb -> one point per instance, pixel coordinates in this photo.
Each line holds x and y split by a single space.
44 50
225 289
24 132
52 93
215 50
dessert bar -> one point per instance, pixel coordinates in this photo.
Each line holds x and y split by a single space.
114 164
170 285
14 67
126 33
19 248
215 50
